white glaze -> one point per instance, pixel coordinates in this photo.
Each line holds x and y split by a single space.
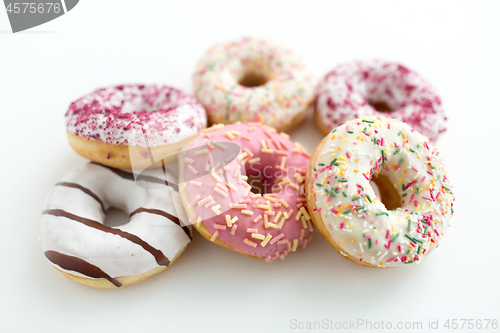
113 115
347 91
349 229
285 95
113 254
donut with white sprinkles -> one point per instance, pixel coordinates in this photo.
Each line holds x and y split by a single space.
250 199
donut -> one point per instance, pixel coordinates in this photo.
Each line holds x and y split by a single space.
253 80
414 211
250 199
126 126
378 88
76 241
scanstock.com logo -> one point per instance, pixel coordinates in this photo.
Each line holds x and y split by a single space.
31 13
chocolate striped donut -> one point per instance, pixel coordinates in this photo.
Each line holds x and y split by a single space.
78 243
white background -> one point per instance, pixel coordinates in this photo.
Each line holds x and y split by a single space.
454 45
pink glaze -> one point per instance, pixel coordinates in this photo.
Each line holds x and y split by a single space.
251 216
136 115
349 90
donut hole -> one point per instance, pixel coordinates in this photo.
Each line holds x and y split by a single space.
115 217
264 181
260 185
251 79
380 106
388 194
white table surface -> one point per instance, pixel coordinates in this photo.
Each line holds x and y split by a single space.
209 289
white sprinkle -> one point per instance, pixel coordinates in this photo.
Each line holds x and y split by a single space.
201 152
193 170
214 236
216 210
220 145
217 178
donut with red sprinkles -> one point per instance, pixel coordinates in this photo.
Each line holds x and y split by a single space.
382 89
129 125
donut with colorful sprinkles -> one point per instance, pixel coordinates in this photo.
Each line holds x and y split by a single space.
253 80
250 199
129 126
416 205
378 88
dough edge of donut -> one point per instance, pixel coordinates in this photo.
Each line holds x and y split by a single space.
124 280
287 127
315 216
97 151
319 124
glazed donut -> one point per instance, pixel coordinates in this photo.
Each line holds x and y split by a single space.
362 227
378 88
77 243
251 202
252 80
126 126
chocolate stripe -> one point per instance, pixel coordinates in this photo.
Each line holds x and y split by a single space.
159 256
76 264
85 190
174 186
164 214
130 176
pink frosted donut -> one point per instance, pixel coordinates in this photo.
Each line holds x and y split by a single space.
378 88
242 186
115 125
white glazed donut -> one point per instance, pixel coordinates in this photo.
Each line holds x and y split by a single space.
253 80
123 126
346 210
77 243
378 88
